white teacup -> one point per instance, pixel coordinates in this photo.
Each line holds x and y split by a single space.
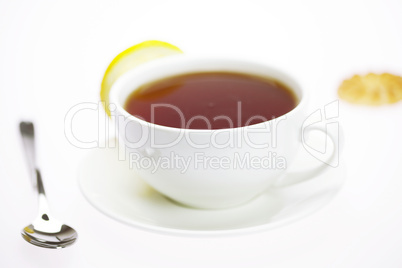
208 168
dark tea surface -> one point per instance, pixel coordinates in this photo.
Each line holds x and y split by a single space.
210 100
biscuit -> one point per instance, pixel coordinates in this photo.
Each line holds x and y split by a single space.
372 89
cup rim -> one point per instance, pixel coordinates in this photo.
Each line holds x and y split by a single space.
182 59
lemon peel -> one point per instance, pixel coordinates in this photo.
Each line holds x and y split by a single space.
131 58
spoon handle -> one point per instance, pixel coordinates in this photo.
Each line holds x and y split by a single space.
28 138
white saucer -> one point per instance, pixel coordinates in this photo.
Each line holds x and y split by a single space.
111 187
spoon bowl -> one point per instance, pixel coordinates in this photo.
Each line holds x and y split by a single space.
40 234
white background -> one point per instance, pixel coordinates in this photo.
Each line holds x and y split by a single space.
53 55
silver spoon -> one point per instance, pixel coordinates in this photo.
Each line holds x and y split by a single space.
45 231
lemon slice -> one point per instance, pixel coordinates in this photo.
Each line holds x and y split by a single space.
129 59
